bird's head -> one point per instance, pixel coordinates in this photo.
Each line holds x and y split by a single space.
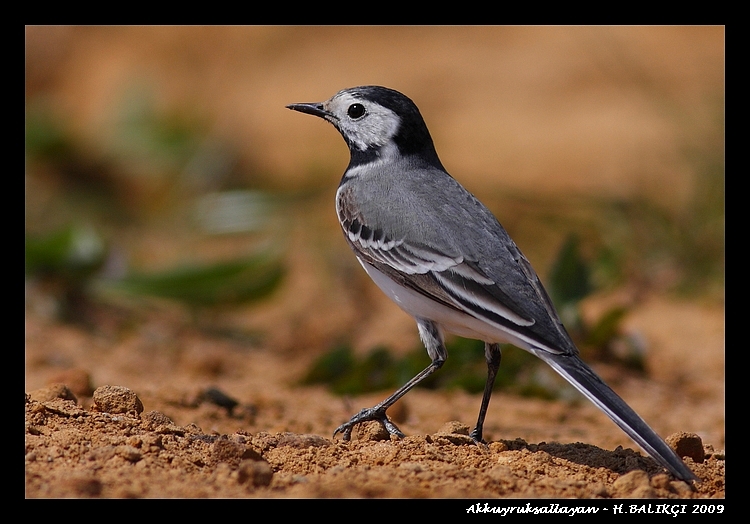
376 122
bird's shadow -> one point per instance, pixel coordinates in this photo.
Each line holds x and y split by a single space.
620 460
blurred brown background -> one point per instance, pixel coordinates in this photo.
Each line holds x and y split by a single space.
613 133
577 109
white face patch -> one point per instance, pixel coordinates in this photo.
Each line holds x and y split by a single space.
375 128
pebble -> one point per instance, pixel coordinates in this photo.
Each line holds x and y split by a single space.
78 380
635 484
129 453
255 473
371 431
116 399
304 441
687 445
53 392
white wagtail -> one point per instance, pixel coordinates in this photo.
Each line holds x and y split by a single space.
443 257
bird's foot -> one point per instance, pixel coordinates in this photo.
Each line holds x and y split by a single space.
364 416
476 436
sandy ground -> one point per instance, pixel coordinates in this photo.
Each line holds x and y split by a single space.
141 439
127 405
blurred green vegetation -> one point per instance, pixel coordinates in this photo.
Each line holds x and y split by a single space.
151 175
222 283
66 261
346 374
74 253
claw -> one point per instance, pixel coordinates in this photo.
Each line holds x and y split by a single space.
365 415
346 429
476 436
391 428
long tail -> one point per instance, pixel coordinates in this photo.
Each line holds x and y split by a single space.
575 371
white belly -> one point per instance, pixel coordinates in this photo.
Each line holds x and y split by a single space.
449 319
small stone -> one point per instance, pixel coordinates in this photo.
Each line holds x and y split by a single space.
129 453
229 451
371 431
87 486
255 473
193 429
498 447
455 432
500 473
66 408
53 392
634 484
681 488
516 444
687 445
116 399
302 441
78 380
661 481
154 419
219 398
455 427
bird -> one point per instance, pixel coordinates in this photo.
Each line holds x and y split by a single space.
443 257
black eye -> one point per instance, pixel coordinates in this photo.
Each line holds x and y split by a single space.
355 111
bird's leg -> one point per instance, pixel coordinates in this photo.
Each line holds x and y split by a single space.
378 412
432 337
493 355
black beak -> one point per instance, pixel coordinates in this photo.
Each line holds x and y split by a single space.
311 109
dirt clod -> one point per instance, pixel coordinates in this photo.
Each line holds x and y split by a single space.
78 381
687 445
53 392
116 399
371 431
634 484
255 473
155 419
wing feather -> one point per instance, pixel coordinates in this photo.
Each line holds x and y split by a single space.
451 280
